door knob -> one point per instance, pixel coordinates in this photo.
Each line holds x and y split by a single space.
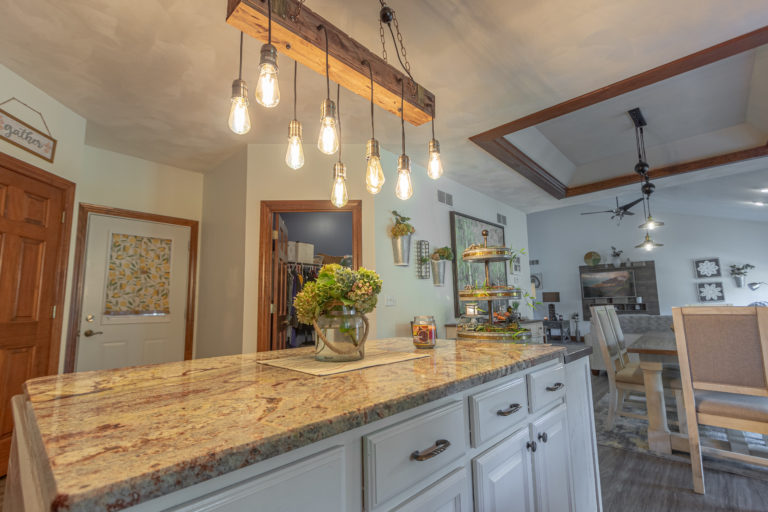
91 332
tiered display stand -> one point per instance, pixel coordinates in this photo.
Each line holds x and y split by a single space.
488 255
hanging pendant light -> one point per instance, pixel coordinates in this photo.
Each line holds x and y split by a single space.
328 139
267 90
239 119
434 165
648 244
403 187
650 223
374 174
294 155
339 196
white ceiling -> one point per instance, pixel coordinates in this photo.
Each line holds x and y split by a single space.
153 76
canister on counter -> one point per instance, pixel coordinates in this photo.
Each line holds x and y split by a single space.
424 331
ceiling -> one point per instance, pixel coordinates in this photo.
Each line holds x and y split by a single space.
152 77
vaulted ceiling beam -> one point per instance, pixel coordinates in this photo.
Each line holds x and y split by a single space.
299 38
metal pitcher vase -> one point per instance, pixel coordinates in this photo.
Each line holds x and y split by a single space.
401 250
438 272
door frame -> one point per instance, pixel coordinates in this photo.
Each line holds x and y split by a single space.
62 260
268 209
78 279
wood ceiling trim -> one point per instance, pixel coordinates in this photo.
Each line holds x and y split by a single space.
495 143
671 170
303 42
511 155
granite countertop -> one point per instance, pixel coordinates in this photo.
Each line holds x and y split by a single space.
573 350
116 438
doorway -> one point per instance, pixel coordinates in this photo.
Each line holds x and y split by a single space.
133 294
313 238
35 224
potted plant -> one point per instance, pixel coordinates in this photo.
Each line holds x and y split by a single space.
439 257
401 239
616 256
336 305
739 273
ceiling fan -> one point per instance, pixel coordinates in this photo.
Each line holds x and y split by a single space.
619 211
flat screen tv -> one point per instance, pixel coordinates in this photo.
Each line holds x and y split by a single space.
611 283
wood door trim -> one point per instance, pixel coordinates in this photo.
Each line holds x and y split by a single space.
68 200
269 208
78 278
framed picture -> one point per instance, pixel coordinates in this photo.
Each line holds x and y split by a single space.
465 231
710 292
707 268
517 265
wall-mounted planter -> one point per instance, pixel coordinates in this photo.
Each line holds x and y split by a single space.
438 272
739 280
401 250
422 259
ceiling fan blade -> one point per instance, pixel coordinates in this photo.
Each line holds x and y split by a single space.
604 211
626 212
630 205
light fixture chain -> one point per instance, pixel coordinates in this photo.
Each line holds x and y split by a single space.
295 16
407 64
383 40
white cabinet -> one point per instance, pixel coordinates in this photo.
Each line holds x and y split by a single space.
497 410
451 494
503 476
552 462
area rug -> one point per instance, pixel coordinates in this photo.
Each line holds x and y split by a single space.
632 434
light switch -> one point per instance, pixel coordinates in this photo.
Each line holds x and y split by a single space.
389 301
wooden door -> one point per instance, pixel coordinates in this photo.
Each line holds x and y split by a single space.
33 239
552 462
279 299
504 476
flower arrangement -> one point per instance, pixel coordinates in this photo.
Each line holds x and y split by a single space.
402 227
741 270
337 286
442 253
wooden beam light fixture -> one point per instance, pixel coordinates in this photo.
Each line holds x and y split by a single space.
294 33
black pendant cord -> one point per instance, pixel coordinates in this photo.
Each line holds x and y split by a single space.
397 52
295 71
338 116
433 128
402 120
327 78
269 18
240 71
370 73
637 143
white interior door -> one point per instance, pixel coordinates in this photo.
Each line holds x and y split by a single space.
135 293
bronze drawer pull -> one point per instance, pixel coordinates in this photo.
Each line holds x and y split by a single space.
439 447
543 437
531 445
558 385
513 408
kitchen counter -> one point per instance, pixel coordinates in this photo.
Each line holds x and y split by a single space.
120 437
574 350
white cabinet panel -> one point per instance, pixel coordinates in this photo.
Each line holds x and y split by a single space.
503 476
552 462
451 494
391 464
315 483
497 410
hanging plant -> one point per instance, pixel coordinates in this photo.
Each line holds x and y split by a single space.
442 253
402 227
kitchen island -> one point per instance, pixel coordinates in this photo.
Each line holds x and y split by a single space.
230 434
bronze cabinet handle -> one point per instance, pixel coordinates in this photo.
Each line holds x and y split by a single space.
543 437
556 386
439 447
513 408
531 445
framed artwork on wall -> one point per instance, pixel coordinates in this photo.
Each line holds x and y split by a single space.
707 268
465 231
710 292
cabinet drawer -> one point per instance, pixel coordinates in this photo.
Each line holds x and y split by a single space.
546 386
398 458
496 410
451 494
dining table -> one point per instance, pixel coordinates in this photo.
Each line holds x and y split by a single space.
657 350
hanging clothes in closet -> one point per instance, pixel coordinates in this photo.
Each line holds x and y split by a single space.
299 334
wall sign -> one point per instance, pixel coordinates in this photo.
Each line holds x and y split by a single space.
25 136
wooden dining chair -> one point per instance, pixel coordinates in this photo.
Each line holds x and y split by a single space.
625 378
723 355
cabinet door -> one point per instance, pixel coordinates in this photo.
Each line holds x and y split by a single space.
552 462
503 476
451 494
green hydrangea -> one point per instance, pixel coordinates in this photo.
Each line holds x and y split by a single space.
336 284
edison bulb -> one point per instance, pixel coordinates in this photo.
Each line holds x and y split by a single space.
328 139
403 187
648 245
239 120
374 175
267 90
339 195
435 164
294 156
